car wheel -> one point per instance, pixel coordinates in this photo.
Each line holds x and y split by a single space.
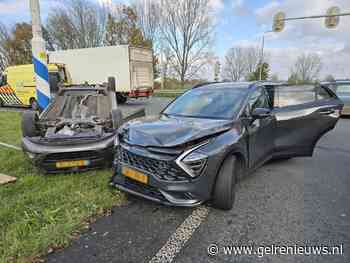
29 124
121 99
117 118
224 191
34 104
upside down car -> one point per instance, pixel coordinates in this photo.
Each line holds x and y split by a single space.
76 131
207 139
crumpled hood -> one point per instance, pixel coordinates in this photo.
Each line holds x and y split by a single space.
163 131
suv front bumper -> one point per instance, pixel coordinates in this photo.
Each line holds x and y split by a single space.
166 189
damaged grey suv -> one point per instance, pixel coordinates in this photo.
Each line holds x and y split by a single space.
207 139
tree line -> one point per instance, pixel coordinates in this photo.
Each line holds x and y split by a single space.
247 63
180 29
181 33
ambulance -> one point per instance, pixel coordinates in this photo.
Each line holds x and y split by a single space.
18 87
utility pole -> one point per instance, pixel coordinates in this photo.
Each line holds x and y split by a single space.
162 69
262 56
39 57
217 70
262 53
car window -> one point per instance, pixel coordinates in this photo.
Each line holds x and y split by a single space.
215 102
3 80
343 88
322 93
258 99
54 79
293 95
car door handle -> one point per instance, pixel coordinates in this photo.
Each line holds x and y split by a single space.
327 112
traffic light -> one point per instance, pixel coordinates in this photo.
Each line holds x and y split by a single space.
332 18
278 22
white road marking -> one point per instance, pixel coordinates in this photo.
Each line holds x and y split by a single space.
182 234
10 146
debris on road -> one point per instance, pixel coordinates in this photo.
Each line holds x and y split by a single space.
5 179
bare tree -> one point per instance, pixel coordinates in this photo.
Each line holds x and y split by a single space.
122 28
186 28
329 78
77 24
235 64
148 18
307 67
4 55
274 77
252 58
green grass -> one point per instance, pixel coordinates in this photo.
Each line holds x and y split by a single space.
39 212
169 93
10 127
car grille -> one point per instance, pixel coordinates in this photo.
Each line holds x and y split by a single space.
72 155
144 189
98 159
164 170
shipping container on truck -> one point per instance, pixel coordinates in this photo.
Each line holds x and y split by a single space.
132 68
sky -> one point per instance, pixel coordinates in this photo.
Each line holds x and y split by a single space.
243 22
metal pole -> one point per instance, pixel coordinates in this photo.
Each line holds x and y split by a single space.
262 56
39 57
162 71
315 17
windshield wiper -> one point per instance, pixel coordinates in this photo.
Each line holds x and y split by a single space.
167 114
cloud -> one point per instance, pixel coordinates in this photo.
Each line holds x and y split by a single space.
14 11
333 45
240 8
216 5
265 13
8 7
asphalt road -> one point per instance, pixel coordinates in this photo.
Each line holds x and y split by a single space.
302 201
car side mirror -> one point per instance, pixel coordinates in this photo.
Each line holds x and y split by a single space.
261 113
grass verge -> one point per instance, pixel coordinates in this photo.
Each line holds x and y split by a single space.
168 93
10 127
40 212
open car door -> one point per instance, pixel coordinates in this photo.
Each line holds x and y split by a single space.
303 113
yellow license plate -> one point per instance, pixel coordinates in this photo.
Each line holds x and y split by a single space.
69 164
136 175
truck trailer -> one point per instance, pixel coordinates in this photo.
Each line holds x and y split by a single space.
132 68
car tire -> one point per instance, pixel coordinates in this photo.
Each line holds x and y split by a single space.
29 124
224 191
117 118
121 99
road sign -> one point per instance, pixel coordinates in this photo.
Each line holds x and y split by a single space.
278 22
332 17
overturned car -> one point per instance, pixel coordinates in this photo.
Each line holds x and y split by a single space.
76 131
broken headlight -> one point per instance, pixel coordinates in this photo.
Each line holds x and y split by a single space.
193 161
